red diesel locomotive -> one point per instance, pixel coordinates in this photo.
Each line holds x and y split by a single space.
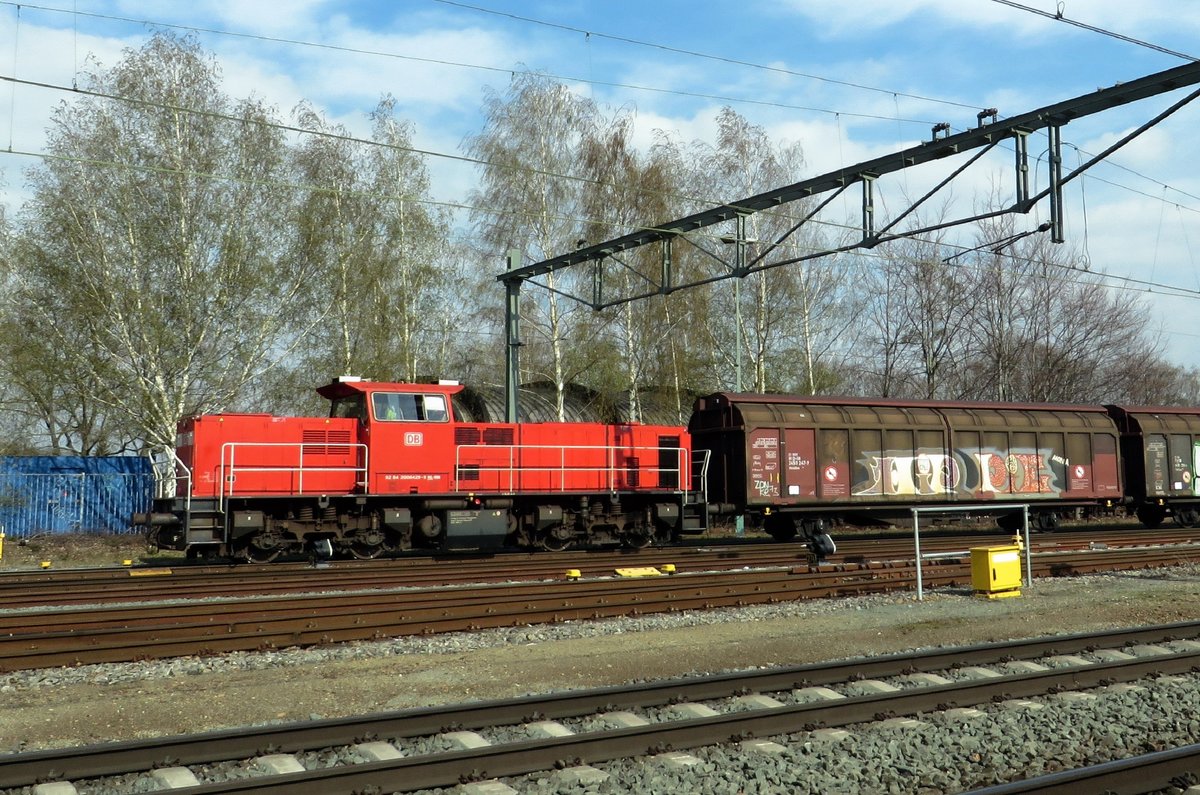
393 468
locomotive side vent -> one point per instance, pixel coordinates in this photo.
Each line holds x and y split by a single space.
468 471
497 435
466 436
633 472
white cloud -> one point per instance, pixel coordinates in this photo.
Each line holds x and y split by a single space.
842 19
255 17
1146 18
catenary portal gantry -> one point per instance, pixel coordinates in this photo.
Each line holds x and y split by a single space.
986 136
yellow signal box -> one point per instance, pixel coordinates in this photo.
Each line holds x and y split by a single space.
996 571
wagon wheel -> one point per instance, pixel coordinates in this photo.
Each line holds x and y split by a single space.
1187 517
1045 522
1151 515
1011 522
780 527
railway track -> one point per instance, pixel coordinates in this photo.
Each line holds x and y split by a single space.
1162 771
22 589
443 746
49 637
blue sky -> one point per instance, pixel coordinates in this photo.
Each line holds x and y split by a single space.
847 80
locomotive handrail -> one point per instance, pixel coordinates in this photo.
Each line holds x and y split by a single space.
609 469
162 479
228 468
702 458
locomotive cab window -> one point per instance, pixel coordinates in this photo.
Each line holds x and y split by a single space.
434 407
398 407
348 407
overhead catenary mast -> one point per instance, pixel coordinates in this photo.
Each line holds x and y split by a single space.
986 136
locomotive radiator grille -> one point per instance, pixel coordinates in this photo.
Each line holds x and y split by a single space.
319 441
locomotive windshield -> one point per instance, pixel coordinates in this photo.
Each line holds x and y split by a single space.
403 407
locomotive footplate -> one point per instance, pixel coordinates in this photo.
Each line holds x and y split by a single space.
476 529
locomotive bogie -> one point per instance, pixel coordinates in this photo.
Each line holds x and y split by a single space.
297 529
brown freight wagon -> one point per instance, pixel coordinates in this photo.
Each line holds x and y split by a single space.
804 464
1161 450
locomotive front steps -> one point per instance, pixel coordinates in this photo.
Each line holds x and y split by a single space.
695 516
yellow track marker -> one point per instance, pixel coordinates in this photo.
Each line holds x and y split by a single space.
150 572
640 571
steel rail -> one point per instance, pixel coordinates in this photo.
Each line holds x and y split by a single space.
514 759
90 635
523 757
1134 776
160 631
23 589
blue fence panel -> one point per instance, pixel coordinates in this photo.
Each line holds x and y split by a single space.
72 494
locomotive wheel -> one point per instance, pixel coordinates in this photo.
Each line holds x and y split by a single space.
256 551
638 538
395 542
1151 515
556 539
1187 517
366 544
364 550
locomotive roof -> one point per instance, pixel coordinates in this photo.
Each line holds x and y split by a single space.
346 386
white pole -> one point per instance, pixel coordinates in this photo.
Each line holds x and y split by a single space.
917 547
1028 549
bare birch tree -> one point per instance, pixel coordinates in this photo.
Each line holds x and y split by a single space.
531 200
787 319
377 250
150 253
1045 328
626 191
